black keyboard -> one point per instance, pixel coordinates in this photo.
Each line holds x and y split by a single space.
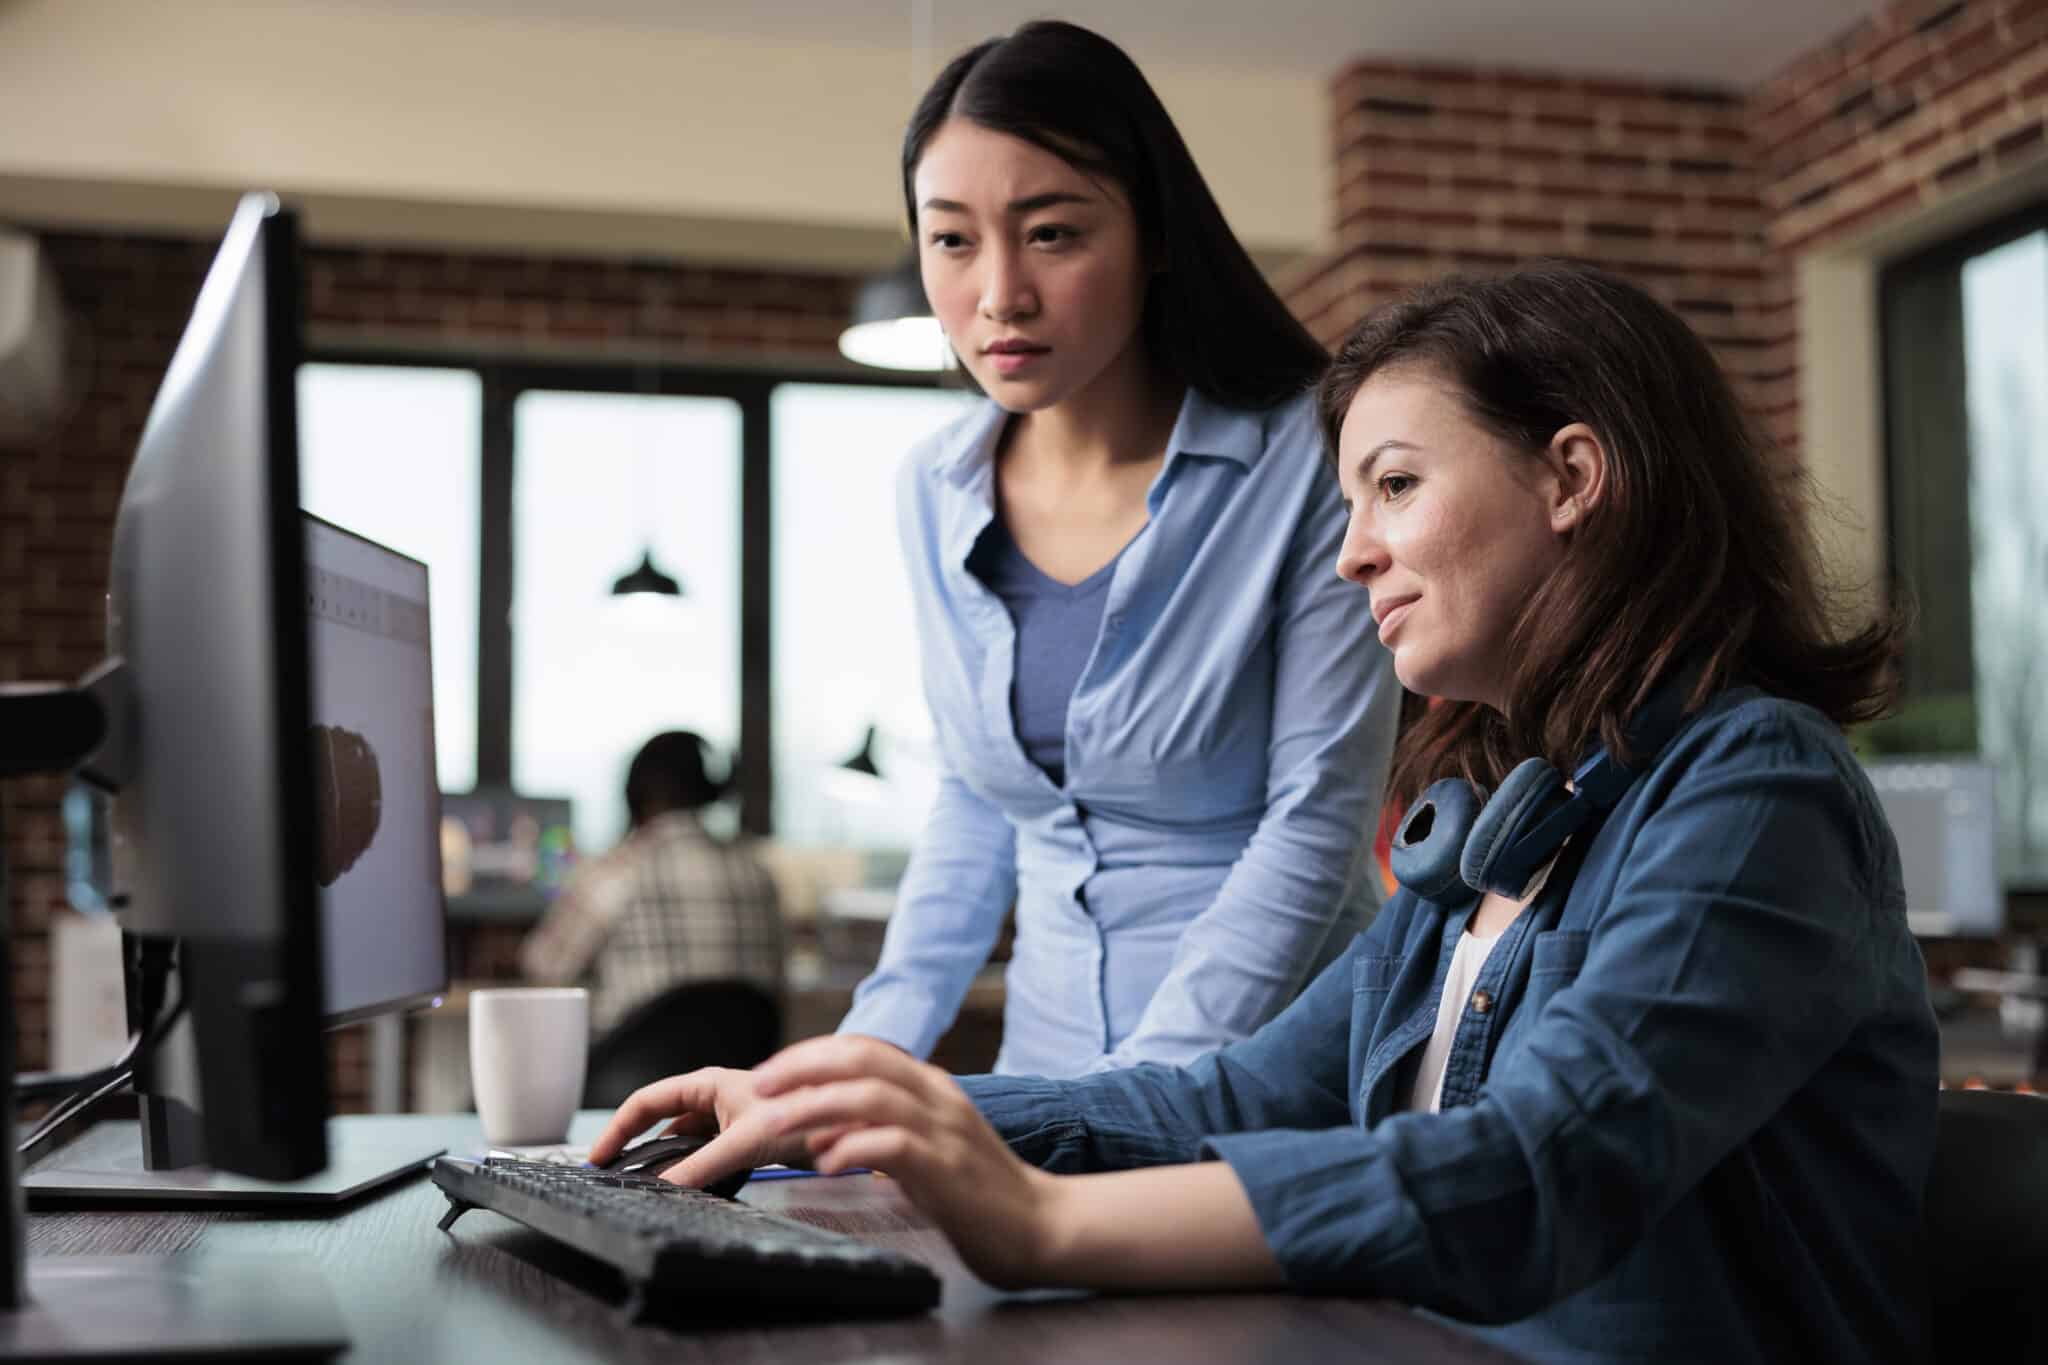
675 1244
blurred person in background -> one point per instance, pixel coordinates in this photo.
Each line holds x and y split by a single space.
671 903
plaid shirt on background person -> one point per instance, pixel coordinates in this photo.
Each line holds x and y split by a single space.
669 904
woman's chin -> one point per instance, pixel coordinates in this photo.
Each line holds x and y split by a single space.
1428 678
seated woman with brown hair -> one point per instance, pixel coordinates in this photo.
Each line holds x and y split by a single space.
1638 1064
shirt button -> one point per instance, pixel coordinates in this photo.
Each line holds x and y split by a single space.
1482 1002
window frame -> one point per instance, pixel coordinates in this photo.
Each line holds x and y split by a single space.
1943 258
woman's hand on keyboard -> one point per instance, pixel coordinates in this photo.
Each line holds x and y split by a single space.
861 1102
714 1100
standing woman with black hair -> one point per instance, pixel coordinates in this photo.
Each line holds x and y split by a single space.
1164 724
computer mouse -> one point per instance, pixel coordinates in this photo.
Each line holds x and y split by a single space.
652 1156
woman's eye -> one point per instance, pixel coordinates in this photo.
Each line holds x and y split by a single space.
948 241
1394 485
1049 234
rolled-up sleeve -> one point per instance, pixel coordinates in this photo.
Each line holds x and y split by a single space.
1335 705
1291 1072
1732 960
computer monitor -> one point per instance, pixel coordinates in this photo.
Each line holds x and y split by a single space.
199 723
504 855
374 867
214 825
1943 811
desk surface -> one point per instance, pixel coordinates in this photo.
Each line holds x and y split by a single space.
491 1290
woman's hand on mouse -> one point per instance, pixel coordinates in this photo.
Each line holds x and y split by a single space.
715 1100
860 1102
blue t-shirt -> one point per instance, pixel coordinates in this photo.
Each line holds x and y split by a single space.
1056 628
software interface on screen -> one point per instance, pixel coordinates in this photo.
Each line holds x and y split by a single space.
378 858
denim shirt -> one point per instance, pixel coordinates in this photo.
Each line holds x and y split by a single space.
1226 744
1690 1120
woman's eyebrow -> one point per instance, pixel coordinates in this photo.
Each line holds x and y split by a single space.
1364 468
1029 204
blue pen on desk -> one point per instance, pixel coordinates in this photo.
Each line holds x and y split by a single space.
794 1172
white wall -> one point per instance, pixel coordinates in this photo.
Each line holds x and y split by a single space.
432 127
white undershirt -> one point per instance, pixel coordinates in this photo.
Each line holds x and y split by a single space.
1466 962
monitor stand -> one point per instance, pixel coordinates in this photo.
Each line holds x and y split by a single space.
104 1167
186 1306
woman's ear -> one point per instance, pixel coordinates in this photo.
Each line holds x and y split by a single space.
1578 461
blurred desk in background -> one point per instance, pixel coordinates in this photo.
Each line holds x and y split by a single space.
812 1004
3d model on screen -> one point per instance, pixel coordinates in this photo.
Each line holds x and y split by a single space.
349 793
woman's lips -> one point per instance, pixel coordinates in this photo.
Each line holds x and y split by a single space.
1014 360
1392 620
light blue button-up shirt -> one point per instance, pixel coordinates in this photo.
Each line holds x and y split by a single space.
1227 745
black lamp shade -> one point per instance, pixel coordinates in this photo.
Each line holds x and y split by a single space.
646 579
864 760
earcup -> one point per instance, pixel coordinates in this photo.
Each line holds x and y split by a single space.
1496 856
1427 847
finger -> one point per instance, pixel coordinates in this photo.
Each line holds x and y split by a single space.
816 1061
694 1124
898 1151
863 1102
733 1150
693 1092
818 1139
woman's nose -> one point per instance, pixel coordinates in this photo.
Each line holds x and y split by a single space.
1361 556
1006 288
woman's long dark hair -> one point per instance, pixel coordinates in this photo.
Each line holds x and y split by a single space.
1211 321
1698 548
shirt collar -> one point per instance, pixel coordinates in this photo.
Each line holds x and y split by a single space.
1203 427
673 824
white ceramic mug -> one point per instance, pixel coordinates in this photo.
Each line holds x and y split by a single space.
528 1047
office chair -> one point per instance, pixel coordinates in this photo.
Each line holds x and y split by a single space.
1987 1227
695 1024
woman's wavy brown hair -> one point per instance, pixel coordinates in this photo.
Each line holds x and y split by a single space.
1698 548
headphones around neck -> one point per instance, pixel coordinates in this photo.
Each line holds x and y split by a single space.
1455 838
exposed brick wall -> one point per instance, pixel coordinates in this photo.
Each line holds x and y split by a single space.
1926 100
1442 169
1705 197
1923 100
129 298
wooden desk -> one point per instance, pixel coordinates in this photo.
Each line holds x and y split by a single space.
491 1290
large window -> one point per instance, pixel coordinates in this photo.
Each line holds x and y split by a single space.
845 638
529 488
392 452
598 479
1966 352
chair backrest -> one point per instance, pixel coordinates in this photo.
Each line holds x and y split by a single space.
1987 1227
692 1025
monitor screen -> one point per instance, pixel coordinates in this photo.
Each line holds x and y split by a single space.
377 860
504 854
1944 814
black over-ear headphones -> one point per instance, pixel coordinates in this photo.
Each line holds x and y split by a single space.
1454 836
